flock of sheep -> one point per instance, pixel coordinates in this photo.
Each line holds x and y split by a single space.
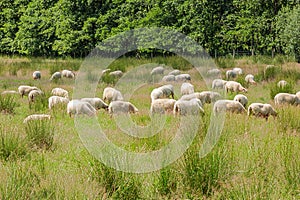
162 98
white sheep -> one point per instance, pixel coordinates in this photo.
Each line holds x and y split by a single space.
230 74
188 107
116 107
55 100
286 98
242 99
162 105
55 76
182 77
33 94
78 107
9 92
168 78
67 74
105 71
36 75
298 94
25 89
225 105
157 70
60 92
249 78
282 83
214 73
187 88
208 96
168 90
96 102
234 86
111 94
218 84
261 110
238 70
156 93
36 117
117 73
174 72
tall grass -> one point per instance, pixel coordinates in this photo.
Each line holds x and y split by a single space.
7 104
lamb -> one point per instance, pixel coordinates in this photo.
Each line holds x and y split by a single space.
190 107
218 84
67 74
157 70
234 86
55 100
78 107
162 105
174 72
25 89
250 79
116 107
261 110
238 70
9 92
36 75
182 77
96 102
286 98
117 73
230 74
55 76
208 96
228 105
187 88
36 117
60 92
242 99
111 94
282 84
33 94
168 78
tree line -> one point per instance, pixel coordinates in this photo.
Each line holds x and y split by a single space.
74 27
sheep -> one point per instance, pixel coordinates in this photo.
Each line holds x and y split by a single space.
60 92
36 75
54 100
214 73
188 107
105 71
67 74
25 89
282 84
156 93
78 107
117 73
230 74
249 78
9 92
111 94
55 76
228 105
168 90
157 70
261 110
33 94
168 78
234 86
298 94
182 77
116 107
218 84
96 102
174 72
208 96
238 70
187 88
36 117
242 99
286 98
162 105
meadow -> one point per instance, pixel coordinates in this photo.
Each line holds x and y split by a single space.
254 158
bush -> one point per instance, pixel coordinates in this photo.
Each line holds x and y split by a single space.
271 72
274 89
7 104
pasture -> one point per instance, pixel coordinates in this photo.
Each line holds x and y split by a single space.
254 158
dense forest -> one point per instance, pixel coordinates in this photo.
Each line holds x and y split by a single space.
74 27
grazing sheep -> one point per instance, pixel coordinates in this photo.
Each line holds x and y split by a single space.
60 92
111 94
238 70
286 98
157 70
55 76
214 73
182 77
188 97
116 107
156 93
78 107
187 88
67 74
105 71
218 84
36 75
117 73
261 110
225 105
55 100
37 117
282 84
190 107
242 99
162 105
298 94
209 96
96 102
33 94
250 79
9 92
234 86
168 78
25 89
230 74
174 72
168 90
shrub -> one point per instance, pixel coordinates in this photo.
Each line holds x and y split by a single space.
274 89
7 104
271 72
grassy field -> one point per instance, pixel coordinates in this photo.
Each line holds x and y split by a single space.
253 159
